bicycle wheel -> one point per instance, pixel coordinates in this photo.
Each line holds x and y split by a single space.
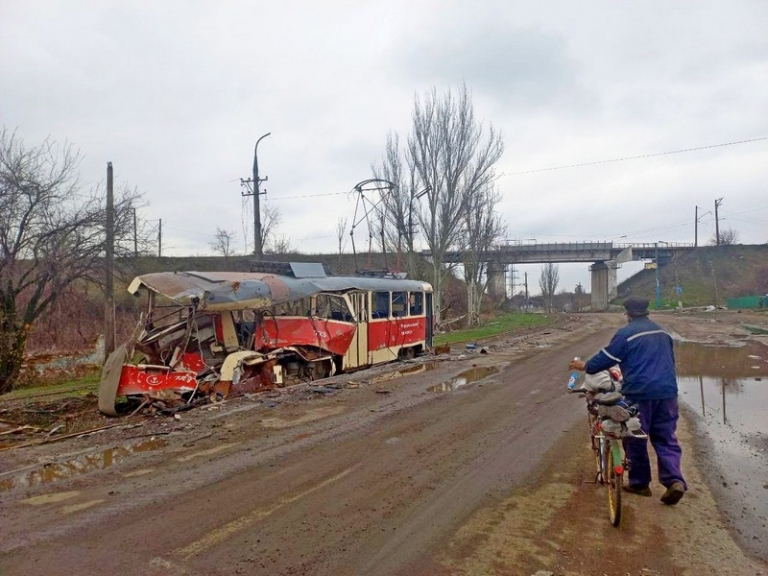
601 458
597 450
614 474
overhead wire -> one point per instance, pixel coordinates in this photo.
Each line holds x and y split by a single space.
638 157
562 167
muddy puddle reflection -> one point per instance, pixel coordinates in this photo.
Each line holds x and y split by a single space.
466 377
57 471
415 369
727 388
728 384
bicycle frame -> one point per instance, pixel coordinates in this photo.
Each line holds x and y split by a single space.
610 462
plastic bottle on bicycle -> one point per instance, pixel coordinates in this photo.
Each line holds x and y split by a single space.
574 377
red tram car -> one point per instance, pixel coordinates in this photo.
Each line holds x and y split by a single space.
232 332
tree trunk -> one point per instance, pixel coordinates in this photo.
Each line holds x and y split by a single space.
13 340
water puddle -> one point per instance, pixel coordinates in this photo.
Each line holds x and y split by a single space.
415 369
57 471
466 377
727 388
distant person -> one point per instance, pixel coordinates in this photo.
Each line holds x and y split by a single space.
645 354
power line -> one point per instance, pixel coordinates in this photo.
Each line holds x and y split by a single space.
636 157
622 159
746 211
307 196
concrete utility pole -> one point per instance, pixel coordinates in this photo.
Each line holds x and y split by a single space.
135 236
253 186
160 239
717 222
526 291
696 229
109 307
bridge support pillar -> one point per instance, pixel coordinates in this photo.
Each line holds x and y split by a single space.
497 281
603 285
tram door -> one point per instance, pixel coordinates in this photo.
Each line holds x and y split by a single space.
358 352
430 319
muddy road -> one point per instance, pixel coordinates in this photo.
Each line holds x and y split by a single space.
468 464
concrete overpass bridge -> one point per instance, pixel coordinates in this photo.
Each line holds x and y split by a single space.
605 259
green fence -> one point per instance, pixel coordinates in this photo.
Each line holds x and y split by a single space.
747 302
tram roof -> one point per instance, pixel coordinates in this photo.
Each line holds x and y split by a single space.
238 290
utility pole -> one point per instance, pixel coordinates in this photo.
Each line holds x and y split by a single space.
109 308
413 196
696 229
512 277
253 187
160 239
526 291
135 236
717 222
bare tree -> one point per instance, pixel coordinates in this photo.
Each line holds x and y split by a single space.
279 245
341 233
222 243
454 157
578 297
482 229
728 237
398 214
548 281
52 234
270 219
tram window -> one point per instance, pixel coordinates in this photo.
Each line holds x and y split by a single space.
332 308
417 303
294 308
380 305
399 304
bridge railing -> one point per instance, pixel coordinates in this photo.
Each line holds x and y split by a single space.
575 251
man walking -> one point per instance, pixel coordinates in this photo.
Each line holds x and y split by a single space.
644 352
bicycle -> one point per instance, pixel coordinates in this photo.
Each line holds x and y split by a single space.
610 460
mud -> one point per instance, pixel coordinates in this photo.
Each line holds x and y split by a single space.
377 474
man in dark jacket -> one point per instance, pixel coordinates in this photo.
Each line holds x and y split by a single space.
644 352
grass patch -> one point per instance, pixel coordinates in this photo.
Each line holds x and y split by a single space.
73 387
508 322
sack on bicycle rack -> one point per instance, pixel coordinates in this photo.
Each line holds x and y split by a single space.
629 429
612 427
616 413
607 398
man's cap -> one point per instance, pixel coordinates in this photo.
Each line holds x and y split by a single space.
636 307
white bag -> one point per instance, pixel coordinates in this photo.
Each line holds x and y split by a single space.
600 382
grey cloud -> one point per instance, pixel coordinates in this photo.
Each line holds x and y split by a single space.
519 67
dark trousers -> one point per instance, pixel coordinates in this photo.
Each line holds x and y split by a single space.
659 421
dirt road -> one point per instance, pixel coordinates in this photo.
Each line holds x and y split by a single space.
468 465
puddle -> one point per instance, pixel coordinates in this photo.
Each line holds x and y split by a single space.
466 377
54 472
416 369
727 388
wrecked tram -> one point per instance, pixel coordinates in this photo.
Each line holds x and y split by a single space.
222 333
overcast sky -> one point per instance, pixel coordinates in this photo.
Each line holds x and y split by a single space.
176 93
